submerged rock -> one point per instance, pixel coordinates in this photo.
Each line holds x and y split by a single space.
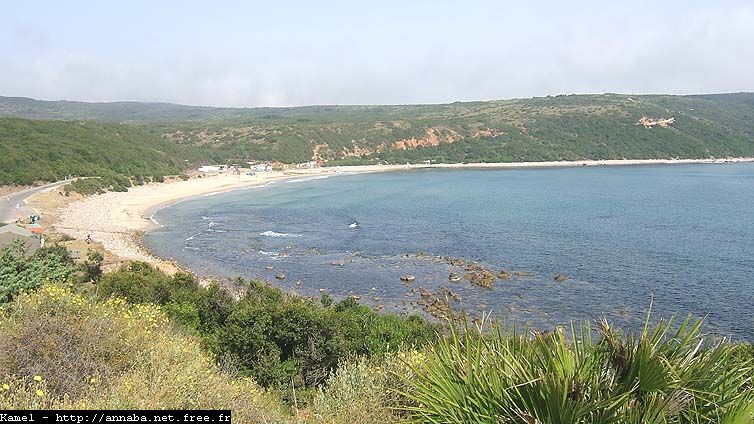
269 267
503 275
280 276
560 278
408 278
454 278
481 278
524 273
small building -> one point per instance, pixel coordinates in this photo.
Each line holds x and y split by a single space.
9 234
213 168
308 165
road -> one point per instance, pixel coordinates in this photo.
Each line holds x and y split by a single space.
14 205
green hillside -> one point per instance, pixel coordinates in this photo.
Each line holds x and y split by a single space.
551 128
155 138
49 150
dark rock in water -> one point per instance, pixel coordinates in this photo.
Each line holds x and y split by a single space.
524 273
560 278
503 275
454 278
338 263
298 283
280 276
481 278
408 278
378 307
269 268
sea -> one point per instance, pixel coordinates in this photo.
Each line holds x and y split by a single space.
676 238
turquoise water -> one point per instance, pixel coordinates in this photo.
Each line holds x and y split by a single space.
680 235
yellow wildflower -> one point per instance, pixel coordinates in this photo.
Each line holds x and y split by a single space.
6 387
37 378
40 392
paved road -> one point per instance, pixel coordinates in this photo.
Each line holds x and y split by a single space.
14 205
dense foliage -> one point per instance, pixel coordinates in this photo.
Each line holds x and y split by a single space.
275 337
19 273
51 150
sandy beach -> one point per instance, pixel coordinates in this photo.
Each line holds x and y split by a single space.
118 220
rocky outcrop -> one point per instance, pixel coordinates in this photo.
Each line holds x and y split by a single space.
651 122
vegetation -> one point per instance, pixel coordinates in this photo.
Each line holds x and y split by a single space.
278 339
51 150
659 376
19 273
115 356
157 139
139 339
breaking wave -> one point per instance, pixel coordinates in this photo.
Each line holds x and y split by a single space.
276 234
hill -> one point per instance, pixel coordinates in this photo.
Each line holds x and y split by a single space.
572 127
33 150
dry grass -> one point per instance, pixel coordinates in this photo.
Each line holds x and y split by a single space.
61 351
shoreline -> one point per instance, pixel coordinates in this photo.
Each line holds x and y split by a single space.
119 220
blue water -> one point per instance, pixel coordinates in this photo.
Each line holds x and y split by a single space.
682 236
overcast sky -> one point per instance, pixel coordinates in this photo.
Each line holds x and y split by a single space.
284 53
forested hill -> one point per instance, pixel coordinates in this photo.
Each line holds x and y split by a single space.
572 127
34 150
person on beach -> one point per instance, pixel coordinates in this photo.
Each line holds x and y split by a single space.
88 239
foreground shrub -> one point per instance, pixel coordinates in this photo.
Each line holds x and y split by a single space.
365 391
281 340
20 273
61 350
659 376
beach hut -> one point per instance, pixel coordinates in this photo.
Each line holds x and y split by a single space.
10 234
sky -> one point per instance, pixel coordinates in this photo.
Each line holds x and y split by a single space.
290 53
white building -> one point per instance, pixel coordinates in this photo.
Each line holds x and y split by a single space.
213 168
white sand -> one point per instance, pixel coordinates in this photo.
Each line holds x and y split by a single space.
117 220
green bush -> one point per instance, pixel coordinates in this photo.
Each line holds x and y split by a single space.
20 273
277 338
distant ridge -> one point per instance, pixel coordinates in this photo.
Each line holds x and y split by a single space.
119 111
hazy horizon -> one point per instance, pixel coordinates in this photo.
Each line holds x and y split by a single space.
252 54
368 104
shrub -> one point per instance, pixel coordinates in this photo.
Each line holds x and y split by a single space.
277 338
659 376
365 391
19 273
61 350
91 269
